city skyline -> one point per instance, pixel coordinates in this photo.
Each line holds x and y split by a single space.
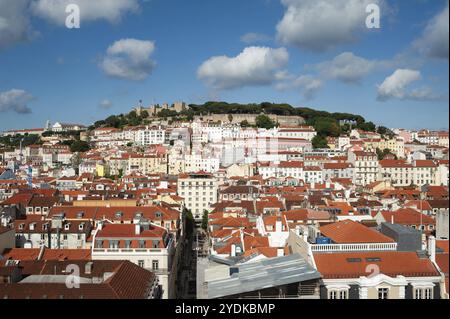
234 51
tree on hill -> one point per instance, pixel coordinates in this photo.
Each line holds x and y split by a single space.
326 126
165 113
383 153
367 127
245 123
384 131
319 142
79 146
263 121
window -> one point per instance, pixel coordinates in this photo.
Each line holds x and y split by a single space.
141 263
155 264
423 293
383 293
338 294
343 294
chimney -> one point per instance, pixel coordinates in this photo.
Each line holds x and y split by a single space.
280 252
233 250
278 225
137 229
432 248
88 268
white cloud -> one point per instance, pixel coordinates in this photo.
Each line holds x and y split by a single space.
396 86
434 41
307 85
129 59
15 100
253 37
112 11
252 67
318 25
347 67
105 104
15 15
15 24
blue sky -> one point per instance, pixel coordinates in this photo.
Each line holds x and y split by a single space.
395 76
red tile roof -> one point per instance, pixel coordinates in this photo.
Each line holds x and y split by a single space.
390 263
351 232
407 216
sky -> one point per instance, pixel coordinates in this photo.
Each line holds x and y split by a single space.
314 53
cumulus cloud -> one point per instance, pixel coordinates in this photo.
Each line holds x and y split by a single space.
347 67
253 37
129 59
434 41
105 104
318 25
308 85
396 86
15 100
252 67
16 15
112 11
15 24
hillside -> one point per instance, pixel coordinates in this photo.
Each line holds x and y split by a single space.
325 123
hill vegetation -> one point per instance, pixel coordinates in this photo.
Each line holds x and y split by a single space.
325 123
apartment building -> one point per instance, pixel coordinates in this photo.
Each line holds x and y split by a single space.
338 170
402 173
54 233
282 169
199 191
147 163
304 132
149 246
366 166
150 136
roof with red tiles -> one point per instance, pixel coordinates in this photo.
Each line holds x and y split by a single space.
351 232
128 281
390 263
407 216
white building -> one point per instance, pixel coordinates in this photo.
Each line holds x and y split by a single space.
365 165
150 136
199 191
142 243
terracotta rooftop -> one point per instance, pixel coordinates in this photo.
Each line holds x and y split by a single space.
351 232
390 263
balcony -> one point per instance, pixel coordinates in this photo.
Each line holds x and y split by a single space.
130 250
354 247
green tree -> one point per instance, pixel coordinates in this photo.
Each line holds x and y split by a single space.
205 220
79 146
245 123
367 127
263 121
165 113
319 142
327 126
383 153
144 114
384 131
